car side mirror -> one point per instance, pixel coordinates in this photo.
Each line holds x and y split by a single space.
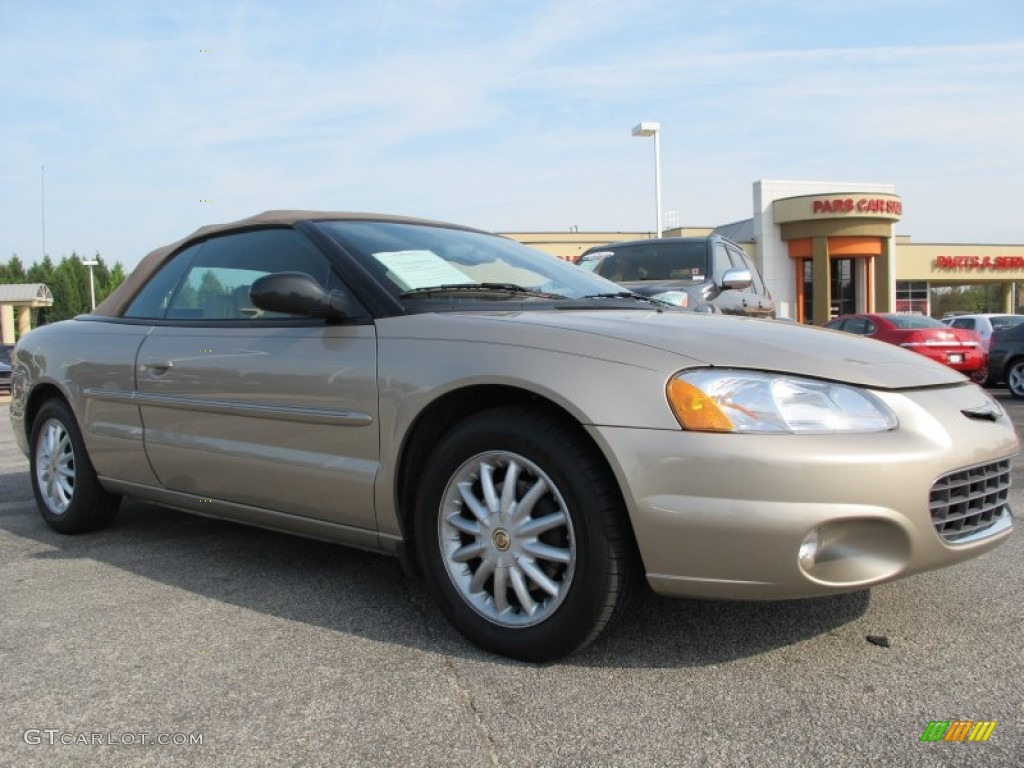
296 293
737 280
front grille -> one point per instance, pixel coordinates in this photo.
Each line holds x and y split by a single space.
966 502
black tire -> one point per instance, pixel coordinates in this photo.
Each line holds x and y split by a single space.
1015 377
68 495
588 560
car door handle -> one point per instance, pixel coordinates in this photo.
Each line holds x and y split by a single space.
157 368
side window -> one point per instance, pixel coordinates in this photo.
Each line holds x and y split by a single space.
745 263
968 324
154 298
858 325
835 325
216 284
722 262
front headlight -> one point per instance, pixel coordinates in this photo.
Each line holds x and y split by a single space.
722 400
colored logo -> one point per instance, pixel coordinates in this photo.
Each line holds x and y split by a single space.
958 730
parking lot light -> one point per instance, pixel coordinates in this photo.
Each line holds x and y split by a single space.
644 130
90 263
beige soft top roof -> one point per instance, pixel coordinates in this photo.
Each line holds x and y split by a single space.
115 304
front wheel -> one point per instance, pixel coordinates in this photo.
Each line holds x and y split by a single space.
522 535
1015 378
68 495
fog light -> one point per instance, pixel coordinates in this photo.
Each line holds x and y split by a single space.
809 550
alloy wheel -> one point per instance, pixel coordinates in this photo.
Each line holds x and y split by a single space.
1015 379
55 467
507 539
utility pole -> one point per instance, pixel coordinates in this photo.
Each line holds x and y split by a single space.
42 182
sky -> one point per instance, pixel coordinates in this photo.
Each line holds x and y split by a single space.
126 125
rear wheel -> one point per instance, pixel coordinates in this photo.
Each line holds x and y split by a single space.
1015 378
68 495
522 535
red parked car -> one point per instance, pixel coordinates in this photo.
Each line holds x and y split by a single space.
960 349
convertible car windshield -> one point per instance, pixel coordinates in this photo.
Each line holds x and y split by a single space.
422 262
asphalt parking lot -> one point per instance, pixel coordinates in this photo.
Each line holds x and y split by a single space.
270 650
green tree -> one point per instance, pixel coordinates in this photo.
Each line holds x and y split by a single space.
117 275
188 297
13 271
70 289
41 271
961 298
210 285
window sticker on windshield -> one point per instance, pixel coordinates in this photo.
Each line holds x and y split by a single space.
421 269
686 273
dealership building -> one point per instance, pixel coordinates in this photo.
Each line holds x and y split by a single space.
831 248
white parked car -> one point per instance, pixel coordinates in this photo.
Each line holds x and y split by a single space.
985 324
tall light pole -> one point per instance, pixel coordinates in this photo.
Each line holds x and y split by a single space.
646 129
90 263
42 200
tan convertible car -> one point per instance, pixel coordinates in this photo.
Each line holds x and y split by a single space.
530 438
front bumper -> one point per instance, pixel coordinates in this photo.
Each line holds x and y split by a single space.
724 515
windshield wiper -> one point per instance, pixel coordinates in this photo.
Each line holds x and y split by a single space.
627 295
480 288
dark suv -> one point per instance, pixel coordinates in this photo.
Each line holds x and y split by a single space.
707 274
1006 359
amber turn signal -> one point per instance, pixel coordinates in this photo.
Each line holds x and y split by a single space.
695 410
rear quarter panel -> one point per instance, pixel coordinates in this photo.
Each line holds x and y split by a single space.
91 363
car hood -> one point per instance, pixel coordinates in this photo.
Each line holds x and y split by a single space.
734 342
